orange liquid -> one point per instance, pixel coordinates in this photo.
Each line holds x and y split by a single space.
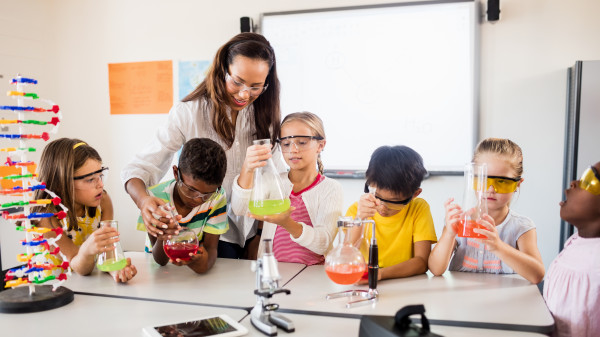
345 274
467 231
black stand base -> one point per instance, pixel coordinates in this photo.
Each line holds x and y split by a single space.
18 300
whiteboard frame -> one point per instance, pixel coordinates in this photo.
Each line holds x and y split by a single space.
476 70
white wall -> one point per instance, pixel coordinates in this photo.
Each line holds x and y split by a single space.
524 58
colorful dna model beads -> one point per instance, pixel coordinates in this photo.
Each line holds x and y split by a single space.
36 285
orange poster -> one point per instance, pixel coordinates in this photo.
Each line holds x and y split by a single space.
140 87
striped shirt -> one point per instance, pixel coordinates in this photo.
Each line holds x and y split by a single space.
471 254
284 248
208 217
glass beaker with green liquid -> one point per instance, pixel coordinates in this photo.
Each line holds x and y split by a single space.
113 259
268 195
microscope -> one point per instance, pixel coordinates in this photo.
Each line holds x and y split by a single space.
263 316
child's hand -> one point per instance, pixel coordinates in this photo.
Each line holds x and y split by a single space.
124 274
367 206
281 219
100 241
158 221
256 156
493 241
453 216
200 254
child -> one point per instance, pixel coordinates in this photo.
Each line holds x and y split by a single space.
511 244
304 233
199 201
572 286
403 223
73 170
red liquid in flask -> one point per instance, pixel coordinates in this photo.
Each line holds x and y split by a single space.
345 273
180 251
466 231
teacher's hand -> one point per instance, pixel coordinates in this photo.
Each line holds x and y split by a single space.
256 156
159 223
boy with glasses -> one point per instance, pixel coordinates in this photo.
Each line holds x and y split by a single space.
403 222
196 200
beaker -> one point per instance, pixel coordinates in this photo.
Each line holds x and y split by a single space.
474 200
113 259
268 195
345 264
181 245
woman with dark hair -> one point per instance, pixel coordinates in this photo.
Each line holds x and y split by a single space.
237 102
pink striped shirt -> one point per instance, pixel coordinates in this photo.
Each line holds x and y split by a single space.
284 248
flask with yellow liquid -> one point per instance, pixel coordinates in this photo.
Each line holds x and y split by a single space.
268 195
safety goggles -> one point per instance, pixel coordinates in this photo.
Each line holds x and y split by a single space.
500 184
191 192
590 181
301 143
391 204
90 180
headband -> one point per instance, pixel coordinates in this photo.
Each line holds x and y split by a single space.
78 145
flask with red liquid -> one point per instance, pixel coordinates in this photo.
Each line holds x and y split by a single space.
345 264
474 200
181 245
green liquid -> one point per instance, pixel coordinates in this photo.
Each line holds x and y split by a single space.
112 265
268 207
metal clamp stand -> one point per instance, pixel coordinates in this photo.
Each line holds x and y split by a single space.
365 296
263 316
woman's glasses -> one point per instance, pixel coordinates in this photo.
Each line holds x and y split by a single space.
252 91
191 192
590 181
391 204
90 180
301 143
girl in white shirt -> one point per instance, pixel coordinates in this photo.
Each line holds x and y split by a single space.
304 232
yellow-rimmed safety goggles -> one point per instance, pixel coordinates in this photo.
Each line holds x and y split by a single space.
590 181
501 184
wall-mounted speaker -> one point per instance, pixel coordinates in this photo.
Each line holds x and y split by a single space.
493 10
246 24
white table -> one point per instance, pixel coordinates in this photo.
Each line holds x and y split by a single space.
471 298
327 326
96 316
229 283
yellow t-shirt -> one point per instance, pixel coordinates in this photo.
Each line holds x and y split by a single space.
397 234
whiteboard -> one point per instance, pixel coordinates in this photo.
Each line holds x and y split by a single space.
399 74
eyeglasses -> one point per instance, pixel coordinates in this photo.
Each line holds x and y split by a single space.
252 91
391 204
501 184
90 180
191 192
590 181
301 143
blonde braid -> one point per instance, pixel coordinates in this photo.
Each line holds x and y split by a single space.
320 164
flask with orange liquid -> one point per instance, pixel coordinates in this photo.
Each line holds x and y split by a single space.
345 264
474 200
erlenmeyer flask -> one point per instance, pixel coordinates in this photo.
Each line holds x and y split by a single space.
345 264
474 200
268 195
181 245
113 259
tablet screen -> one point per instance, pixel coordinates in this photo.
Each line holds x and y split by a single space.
204 327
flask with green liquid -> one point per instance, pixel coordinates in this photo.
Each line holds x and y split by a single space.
268 195
113 259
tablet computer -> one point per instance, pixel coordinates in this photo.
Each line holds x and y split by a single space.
219 326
